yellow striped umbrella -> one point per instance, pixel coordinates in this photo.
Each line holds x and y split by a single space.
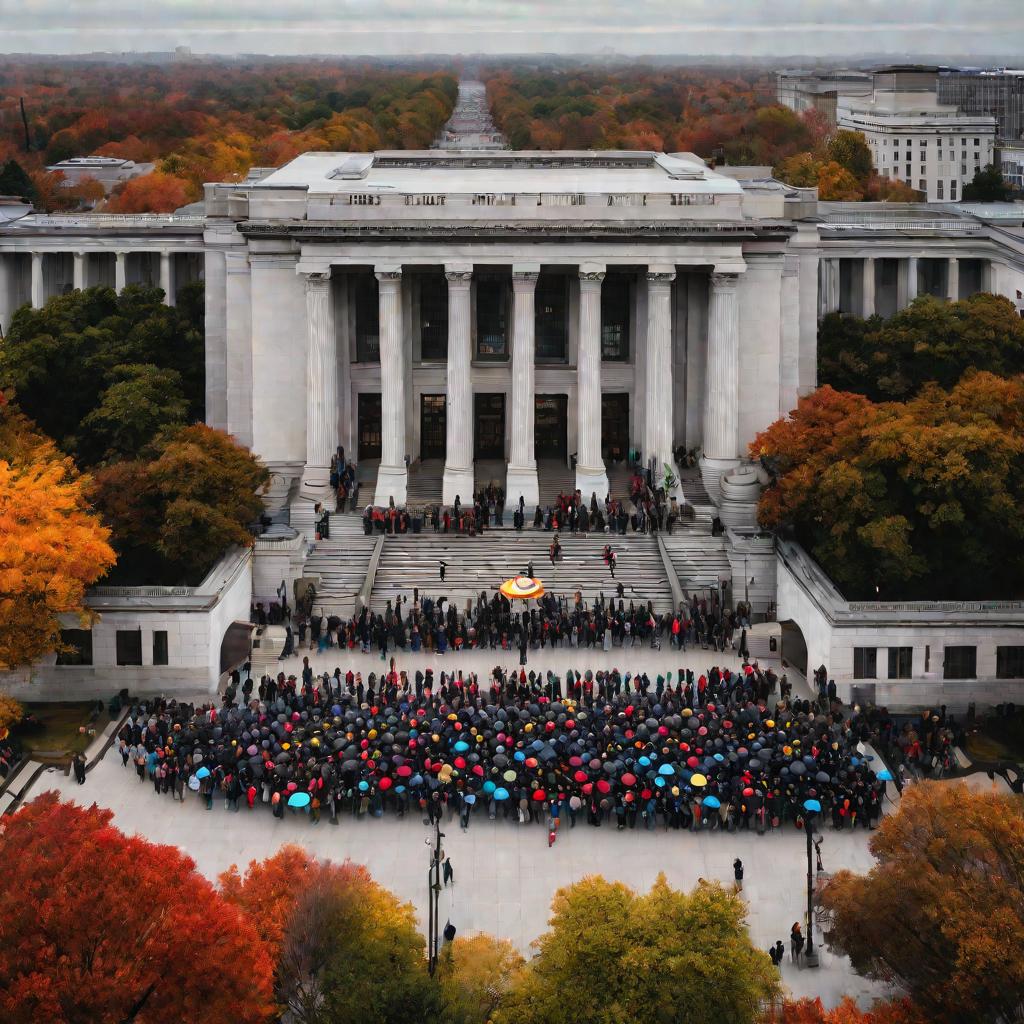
522 587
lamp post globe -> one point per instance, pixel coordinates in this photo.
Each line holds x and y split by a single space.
811 809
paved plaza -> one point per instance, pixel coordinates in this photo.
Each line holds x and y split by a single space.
505 875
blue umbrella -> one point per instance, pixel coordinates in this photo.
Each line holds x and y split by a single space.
711 801
203 773
489 786
519 755
470 799
461 747
660 780
399 789
363 786
812 805
885 775
645 761
298 800
501 793
666 769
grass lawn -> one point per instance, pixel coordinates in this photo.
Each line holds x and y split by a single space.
59 734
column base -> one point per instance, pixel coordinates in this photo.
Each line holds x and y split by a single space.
711 473
316 486
392 484
521 481
457 483
591 481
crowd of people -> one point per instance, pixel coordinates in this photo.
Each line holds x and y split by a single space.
493 623
721 751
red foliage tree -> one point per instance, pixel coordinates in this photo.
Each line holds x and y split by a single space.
97 927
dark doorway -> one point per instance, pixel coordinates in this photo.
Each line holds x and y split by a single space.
433 427
614 427
549 426
433 317
369 426
794 647
489 435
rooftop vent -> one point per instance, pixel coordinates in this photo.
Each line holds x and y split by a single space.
355 168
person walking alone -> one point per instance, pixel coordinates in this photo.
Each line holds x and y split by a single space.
443 565
796 942
737 872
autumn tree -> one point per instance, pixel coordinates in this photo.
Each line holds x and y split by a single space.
851 152
901 496
346 949
613 956
930 340
178 508
475 974
812 1011
100 928
52 545
941 914
11 712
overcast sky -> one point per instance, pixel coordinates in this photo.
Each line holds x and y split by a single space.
753 27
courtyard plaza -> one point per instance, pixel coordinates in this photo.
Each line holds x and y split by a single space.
506 874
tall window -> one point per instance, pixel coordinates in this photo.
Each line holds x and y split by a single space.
367 319
1010 662
865 662
960 663
491 318
159 646
615 296
433 317
901 660
551 317
128 644
78 647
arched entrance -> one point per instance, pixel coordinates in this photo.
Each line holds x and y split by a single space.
794 646
236 646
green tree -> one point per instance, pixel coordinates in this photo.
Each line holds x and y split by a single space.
141 401
849 150
60 359
903 496
941 914
987 186
613 956
175 511
930 340
14 181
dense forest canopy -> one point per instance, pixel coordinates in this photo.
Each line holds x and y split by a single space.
205 121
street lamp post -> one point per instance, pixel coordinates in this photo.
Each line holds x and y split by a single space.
811 808
433 892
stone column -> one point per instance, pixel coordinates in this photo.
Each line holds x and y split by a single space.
953 279
6 291
38 292
721 409
78 270
215 287
321 390
591 477
167 277
906 285
120 271
867 301
458 467
829 286
393 476
521 480
658 392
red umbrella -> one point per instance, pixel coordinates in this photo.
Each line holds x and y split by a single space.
603 785
385 783
580 776
588 788
404 771
539 794
628 779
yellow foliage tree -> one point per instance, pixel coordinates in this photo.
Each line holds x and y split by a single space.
10 714
52 545
474 975
837 184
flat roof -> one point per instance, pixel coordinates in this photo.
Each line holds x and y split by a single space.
506 171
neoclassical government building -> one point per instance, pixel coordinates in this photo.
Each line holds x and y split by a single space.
451 317
498 307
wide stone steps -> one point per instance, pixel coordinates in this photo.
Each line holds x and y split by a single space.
341 564
476 564
699 561
426 484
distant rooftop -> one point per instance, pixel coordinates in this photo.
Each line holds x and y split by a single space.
526 171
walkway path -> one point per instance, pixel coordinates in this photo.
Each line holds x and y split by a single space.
470 126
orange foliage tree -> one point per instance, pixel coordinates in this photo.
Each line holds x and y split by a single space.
812 1011
149 193
100 928
942 912
52 545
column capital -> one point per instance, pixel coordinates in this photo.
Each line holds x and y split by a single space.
317 278
458 278
724 282
387 272
524 278
659 276
591 276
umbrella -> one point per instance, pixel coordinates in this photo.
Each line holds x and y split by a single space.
711 801
812 805
628 779
885 775
203 773
666 769
698 780
470 799
298 800
509 776
522 587
501 794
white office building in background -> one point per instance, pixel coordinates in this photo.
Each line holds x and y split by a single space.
913 138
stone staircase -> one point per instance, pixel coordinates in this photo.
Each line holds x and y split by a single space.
699 560
554 477
341 563
478 564
426 483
